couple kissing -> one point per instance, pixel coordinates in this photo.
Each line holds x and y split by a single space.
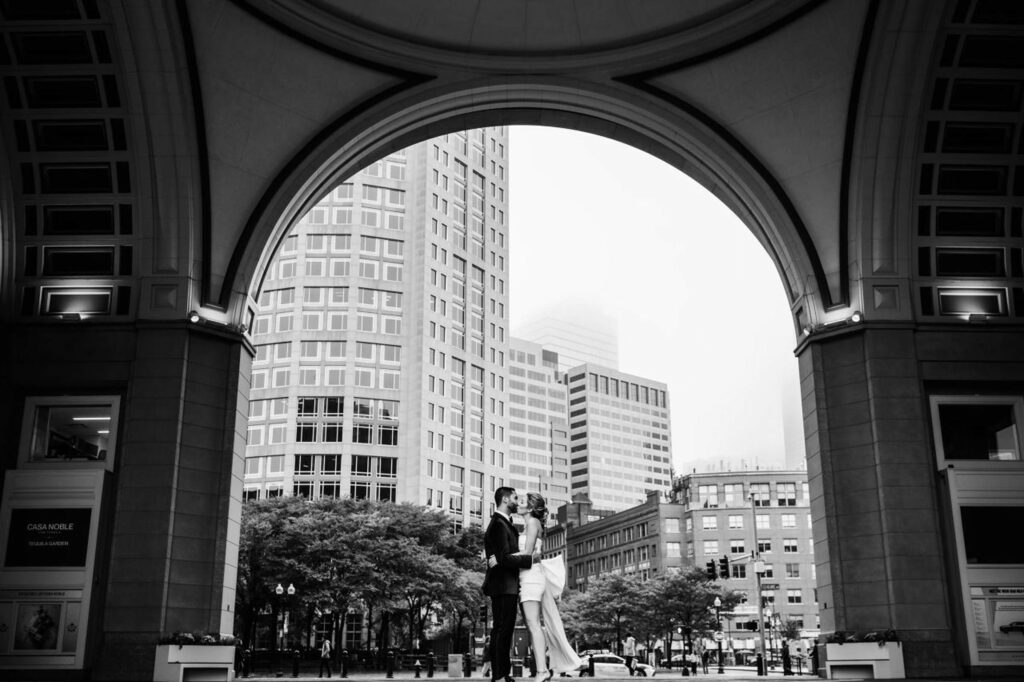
516 573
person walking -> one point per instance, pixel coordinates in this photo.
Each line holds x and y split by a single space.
325 658
501 582
629 651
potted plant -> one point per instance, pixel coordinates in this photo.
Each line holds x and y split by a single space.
213 653
876 654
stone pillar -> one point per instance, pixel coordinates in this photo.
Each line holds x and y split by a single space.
873 483
174 543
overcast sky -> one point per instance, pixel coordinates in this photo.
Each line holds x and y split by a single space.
700 305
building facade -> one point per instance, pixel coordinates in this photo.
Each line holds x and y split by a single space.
619 435
381 336
538 437
707 517
722 512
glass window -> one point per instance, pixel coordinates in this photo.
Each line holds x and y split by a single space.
986 429
986 540
672 526
709 522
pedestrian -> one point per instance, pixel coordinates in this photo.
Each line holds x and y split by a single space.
629 651
485 665
704 655
325 657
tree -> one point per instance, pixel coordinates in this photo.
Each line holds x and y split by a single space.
611 605
684 600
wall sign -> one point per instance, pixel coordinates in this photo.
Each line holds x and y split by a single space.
48 537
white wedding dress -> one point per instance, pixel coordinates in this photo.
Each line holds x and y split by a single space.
544 582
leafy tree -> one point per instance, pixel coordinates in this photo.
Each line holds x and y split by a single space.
685 600
611 605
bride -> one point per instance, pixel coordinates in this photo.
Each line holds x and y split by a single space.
539 586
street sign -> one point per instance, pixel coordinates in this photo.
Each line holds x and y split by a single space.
769 586
719 636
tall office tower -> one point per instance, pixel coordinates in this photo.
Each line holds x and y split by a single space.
381 340
619 436
578 332
538 450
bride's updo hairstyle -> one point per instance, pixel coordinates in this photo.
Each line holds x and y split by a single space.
537 506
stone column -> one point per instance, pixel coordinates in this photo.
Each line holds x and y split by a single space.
174 542
874 506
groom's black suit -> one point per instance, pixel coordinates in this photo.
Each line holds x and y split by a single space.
501 584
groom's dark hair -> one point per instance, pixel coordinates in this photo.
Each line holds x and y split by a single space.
502 492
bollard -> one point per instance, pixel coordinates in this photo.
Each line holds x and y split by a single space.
390 664
760 666
467 665
344 663
417 666
296 657
430 664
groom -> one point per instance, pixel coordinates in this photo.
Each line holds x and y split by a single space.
501 583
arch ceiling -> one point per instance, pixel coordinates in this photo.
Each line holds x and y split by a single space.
757 99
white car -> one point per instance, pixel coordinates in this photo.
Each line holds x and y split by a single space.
610 665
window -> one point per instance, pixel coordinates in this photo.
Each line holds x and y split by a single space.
733 493
789 520
764 546
707 495
761 492
785 493
735 521
737 547
794 596
738 570
710 547
789 546
985 428
672 526
763 522
792 570
709 522
985 534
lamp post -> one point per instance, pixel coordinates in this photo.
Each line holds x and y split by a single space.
771 639
718 635
280 591
759 570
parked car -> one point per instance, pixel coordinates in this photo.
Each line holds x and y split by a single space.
1014 626
610 665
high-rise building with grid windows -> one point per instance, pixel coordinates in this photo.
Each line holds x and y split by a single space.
619 436
538 424
381 338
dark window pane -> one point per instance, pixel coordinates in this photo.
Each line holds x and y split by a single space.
69 261
969 222
52 48
972 302
70 135
969 263
986 536
62 92
985 95
980 432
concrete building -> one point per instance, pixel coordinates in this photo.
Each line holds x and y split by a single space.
538 436
704 518
381 336
619 435
718 521
578 332
155 154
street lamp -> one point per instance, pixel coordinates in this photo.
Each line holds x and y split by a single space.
280 591
718 635
771 639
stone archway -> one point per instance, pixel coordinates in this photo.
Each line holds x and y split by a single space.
719 163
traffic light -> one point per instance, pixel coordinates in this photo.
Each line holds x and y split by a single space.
723 567
711 571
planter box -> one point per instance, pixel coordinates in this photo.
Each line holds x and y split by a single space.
194 663
862 660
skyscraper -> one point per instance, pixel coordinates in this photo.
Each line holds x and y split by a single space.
619 435
538 424
577 331
381 339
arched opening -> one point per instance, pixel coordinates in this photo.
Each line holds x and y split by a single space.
326 182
